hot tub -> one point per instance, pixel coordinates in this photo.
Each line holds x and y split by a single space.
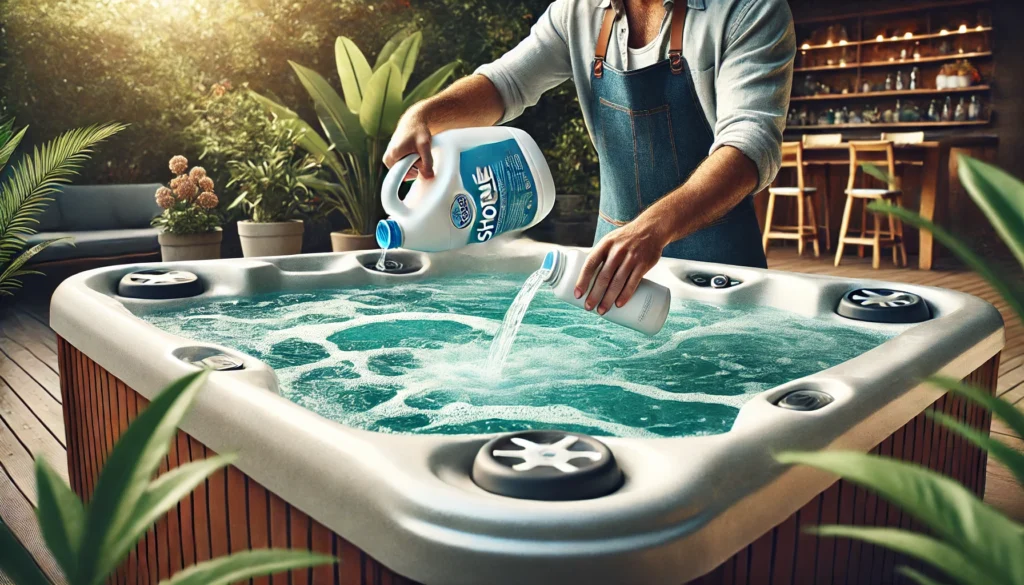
694 496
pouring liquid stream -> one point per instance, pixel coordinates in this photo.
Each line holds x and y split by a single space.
501 345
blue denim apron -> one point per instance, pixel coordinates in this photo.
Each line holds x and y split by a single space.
651 133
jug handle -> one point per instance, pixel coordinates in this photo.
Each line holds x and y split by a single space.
393 181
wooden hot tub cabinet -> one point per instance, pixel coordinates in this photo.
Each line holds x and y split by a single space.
232 512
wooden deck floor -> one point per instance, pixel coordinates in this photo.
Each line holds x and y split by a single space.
31 422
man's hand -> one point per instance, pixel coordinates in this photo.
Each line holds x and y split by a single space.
621 259
411 136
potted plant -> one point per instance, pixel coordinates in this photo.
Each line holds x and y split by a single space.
190 224
358 128
274 196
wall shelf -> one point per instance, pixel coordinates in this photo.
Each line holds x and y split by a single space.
896 63
903 39
898 94
883 126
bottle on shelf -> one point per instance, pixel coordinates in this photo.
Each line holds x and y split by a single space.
961 111
888 82
900 85
897 115
915 75
947 110
866 88
933 111
974 109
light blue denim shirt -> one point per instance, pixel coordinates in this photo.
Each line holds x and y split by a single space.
740 54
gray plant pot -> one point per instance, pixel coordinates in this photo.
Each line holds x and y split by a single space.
280 238
176 247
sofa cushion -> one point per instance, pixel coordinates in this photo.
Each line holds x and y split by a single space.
49 219
96 244
106 207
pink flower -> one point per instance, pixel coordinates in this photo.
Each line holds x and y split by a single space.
207 200
164 198
205 183
197 173
186 189
178 165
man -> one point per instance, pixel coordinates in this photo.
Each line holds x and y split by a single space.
685 101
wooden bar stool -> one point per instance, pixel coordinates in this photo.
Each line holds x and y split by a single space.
810 141
861 152
806 228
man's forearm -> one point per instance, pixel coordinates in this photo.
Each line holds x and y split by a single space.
718 184
470 101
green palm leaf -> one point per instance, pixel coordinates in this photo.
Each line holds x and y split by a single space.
9 277
25 194
431 85
949 509
9 143
935 552
382 105
406 54
164 493
353 70
61 516
125 478
344 127
244 565
389 48
1010 293
15 561
1000 196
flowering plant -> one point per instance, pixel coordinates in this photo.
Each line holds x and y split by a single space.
189 203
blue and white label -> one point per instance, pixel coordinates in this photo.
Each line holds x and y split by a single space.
462 211
501 186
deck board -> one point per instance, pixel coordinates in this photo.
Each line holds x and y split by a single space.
31 417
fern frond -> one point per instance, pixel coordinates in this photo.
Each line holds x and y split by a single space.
9 141
9 277
38 175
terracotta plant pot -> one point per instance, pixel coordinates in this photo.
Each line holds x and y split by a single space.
175 247
343 242
279 238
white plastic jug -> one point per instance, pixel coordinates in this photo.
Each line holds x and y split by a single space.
645 312
487 182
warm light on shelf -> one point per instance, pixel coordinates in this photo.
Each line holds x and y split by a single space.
963 28
842 43
828 43
980 27
943 32
806 46
909 35
879 38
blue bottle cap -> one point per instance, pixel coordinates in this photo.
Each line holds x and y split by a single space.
389 234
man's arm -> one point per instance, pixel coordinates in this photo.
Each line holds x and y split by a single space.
497 92
752 86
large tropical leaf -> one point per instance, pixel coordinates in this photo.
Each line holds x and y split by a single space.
61 516
164 493
15 561
332 111
389 48
949 509
917 576
1000 196
935 552
244 565
1000 408
9 143
382 104
1008 456
25 193
431 85
405 55
1009 292
309 140
9 277
125 477
353 70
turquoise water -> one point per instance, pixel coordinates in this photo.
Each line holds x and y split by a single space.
412 358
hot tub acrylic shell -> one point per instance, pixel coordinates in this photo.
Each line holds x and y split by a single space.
687 504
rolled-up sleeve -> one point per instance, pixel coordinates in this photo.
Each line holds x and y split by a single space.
540 62
753 83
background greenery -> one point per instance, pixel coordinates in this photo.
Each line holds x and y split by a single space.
152 64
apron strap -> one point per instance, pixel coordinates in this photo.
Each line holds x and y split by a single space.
675 46
603 39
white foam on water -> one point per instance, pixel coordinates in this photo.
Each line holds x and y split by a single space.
418 351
